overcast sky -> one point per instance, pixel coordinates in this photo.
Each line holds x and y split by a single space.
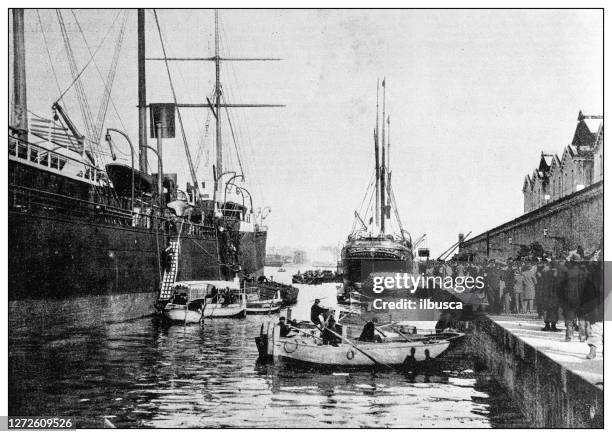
474 96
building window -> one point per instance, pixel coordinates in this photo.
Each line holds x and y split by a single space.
43 159
54 162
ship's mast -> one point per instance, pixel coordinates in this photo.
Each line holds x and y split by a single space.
20 105
389 145
383 169
218 98
142 93
377 165
216 106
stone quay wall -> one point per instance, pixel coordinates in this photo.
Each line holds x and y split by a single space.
572 221
549 395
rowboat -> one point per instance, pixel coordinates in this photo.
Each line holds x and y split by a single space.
193 301
268 288
347 296
259 304
305 347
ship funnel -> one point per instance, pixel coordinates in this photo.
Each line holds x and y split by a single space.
162 113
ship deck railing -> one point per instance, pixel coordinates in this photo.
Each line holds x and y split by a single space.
28 200
39 156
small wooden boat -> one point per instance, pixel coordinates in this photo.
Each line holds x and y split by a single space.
258 304
268 288
307 348
316 277
193 301
282 269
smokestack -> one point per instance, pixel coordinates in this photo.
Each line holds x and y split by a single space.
142 92
19 120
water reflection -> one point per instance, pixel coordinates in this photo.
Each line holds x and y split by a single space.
146 373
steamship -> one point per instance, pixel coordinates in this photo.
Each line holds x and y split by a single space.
381 244
92 239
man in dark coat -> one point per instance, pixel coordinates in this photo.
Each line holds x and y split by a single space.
284 328
166 258
589 302
328 336
548 298
493 277
315 311
572 297
509 287
369 332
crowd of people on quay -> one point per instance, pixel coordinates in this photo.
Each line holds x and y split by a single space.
567 288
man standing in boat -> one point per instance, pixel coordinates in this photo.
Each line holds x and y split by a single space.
315 311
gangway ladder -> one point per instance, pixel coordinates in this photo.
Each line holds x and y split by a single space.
167 285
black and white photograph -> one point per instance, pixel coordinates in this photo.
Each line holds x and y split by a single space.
279 217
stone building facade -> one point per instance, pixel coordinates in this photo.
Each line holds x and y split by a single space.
559 226
563 202
580 165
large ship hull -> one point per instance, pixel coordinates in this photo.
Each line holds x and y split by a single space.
72 273
252 252
362 257
72 265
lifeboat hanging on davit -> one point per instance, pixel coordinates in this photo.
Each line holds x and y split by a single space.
121 177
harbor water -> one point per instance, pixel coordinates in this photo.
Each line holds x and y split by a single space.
146 373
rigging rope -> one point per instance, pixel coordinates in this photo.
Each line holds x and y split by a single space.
64 35
42 29
83 104
370 202
202 143
360 210
80 91
233 138
366 191
108 83
187 152
242 129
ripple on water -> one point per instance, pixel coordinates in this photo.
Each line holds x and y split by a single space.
147 374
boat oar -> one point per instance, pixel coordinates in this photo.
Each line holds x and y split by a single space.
359 349
401 334
318 298
349 342
203 309
305 333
